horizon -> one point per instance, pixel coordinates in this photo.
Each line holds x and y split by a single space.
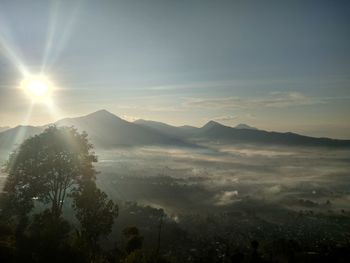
174 131
133 121
273 66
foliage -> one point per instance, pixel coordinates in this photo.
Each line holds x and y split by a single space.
45 167
47 236
140 256
48 232
134 240
7 243
58 164
95 213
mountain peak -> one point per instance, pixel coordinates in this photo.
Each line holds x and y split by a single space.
244 126
210 124
102 113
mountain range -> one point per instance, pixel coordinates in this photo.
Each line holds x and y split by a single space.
4 128
107 130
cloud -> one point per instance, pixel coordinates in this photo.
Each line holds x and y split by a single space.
230 102
130 118
153 108
225 118
208 85
226 198
275 189
273 100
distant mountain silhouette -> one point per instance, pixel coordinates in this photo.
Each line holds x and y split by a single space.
181 132
216 132
12 137
245 126
4 128
106 130
210 124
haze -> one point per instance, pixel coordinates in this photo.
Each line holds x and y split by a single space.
174 131
276 66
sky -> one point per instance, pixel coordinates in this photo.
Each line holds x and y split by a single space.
276 65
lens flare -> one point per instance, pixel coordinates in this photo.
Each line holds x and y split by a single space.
38 87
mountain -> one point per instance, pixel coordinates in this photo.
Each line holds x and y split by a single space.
209 125
159 126
181 132
4 128
10 138
106 130
242 133
217 132
244 126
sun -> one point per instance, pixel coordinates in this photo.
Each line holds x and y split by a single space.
38 87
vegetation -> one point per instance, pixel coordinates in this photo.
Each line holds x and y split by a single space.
43 173
46 167
96 215
51 177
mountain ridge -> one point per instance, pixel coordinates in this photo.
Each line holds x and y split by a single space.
245 126
4 128
107 130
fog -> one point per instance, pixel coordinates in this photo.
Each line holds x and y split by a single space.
221 177
235 193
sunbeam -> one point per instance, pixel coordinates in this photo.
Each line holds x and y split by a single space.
53 110
174 131
8 47
38 86
51 32
52 53
11 55
21 133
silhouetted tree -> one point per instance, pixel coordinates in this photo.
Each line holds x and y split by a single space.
140 256
255 255
159 230
45 167
134 240
95 213
7 243
48 236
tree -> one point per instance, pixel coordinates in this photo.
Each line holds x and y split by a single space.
48 168
45 167
134 240
7 243
140 256
48 236
95 213
160 229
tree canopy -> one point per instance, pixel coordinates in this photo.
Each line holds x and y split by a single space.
47 166
47 169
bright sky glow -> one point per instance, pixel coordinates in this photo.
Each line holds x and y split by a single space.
272 65
37 87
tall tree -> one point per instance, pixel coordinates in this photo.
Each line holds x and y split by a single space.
46 167
134 240
96 214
